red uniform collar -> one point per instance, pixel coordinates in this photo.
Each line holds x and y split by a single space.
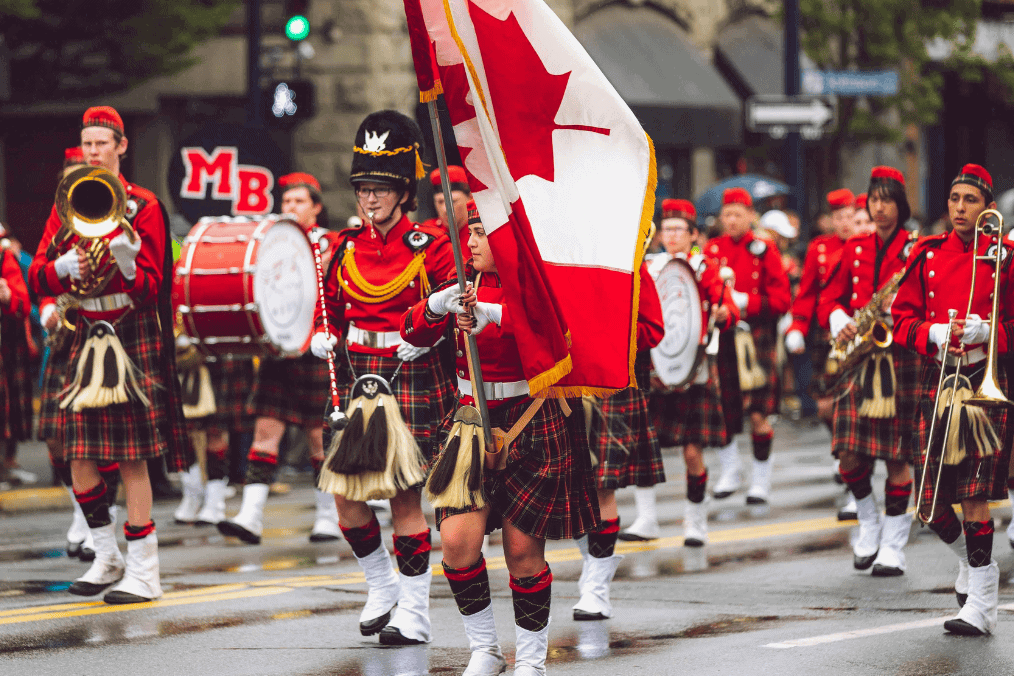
400 228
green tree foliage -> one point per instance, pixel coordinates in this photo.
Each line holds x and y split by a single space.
895 34
79 48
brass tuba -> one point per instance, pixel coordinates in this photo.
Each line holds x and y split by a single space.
91 203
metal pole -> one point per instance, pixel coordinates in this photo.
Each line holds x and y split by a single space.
794 158
459 265
254 114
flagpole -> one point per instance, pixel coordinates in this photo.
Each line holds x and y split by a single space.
479 391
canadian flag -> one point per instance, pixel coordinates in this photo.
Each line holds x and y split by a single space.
563 176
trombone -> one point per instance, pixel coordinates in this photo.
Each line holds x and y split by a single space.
989 393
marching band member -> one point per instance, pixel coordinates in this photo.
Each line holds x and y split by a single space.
132 322
380 269
761 292
285 391
544 491
624 440
863 224
693 417
875 419
15 305
938 280
17 362
461 195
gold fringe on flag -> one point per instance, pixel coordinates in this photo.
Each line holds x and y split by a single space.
456 479
105 374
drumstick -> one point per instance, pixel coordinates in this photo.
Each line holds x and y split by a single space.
337 416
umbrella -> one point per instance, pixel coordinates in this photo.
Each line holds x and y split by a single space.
759 187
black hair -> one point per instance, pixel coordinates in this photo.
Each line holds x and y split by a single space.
888 188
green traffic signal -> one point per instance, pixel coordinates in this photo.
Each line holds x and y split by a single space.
297 27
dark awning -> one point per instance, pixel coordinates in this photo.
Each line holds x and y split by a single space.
679 97
750 54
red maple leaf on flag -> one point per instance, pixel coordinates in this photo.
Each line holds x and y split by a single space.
456 93
525 96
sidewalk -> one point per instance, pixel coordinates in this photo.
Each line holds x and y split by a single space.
34 457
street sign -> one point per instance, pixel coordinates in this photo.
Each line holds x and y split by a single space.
811 116
851 82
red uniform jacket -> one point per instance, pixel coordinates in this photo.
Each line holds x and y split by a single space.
19 305
143 289
650 325
380 260
436 226
759 273
821 257
939 279
499 359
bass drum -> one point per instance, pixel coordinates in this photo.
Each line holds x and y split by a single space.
678 357
246 287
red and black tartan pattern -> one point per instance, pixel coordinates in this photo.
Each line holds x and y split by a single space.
17 366
421 388
765 400
728 383
413 553
232 380
547 489
818 348
623 437
295 391
982 478
129 431
691 417
5 431
53 381
881 438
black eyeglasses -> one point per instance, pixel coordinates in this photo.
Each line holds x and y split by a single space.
379 192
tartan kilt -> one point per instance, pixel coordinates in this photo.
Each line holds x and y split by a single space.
728 383
819 347
17 366
295 391
623 437
232 380
129 431
693 416
54 379
5 431
421 388
547 489
984 478
765 400
887 438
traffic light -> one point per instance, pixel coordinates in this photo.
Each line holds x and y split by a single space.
289 102
297 23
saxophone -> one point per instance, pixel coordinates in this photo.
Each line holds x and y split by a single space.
873 333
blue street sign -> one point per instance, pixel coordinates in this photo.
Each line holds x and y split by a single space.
851 82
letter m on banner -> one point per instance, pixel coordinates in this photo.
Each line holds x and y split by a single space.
248 188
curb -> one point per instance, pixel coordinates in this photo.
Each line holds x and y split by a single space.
31 499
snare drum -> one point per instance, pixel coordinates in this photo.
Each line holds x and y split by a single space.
247 287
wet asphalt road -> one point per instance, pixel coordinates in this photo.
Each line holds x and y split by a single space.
773 593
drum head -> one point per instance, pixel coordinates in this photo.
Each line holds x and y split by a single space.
677 356
285 287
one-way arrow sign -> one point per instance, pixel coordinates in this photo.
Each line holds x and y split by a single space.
778 115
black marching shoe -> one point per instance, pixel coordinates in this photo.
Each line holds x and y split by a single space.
392 636
962 628
371 627
880 570
80 588
863 562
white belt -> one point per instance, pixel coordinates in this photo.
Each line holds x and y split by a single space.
973 356
496 391
108 303
376 339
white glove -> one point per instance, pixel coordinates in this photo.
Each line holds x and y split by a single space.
407 352
182 341
794 341
68 265
322 344
445 301
124 252
937 336
976 330
485 313
838 320
46 313
741 298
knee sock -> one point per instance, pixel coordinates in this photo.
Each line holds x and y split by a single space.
896 498
318 463
979 537
261 467
947 526
133 533
762 446
110 474
602 542
218 465
62 470
364 540
470 586
413 553
95 505
696 486
858 480
531 599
